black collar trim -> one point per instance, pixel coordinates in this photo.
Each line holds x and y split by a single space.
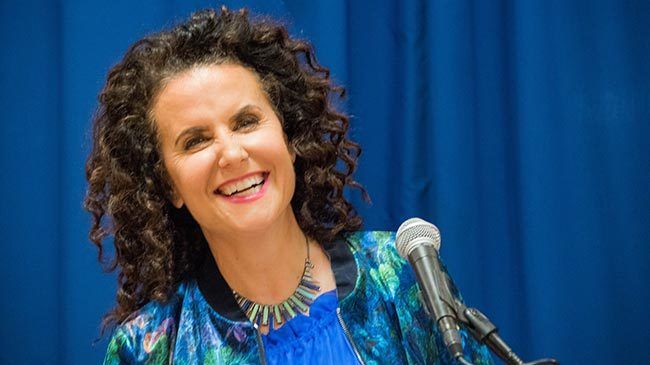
219 295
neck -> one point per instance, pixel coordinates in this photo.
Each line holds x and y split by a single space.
265 265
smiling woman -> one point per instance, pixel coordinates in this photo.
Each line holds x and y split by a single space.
214 168
236 154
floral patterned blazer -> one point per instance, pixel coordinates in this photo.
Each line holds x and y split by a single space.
379 311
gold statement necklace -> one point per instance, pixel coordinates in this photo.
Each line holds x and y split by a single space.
298 302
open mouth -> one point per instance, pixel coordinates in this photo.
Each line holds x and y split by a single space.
247 186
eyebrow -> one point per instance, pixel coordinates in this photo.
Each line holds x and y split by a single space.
200 129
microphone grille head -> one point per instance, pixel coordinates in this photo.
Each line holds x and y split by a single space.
414 232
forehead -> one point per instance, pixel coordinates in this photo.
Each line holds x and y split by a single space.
206 93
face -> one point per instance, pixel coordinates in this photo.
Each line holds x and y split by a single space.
225 150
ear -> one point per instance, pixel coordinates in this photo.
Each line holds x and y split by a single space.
176 199
292 150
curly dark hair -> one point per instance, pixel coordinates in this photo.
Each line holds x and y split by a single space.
129 190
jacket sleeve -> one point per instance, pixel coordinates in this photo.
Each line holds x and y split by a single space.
118 351
140 340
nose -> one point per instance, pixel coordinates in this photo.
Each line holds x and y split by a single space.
232 152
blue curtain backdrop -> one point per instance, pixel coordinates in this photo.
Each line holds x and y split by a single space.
519 127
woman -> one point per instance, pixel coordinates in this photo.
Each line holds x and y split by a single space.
215 158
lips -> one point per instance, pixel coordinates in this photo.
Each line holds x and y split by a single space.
247 183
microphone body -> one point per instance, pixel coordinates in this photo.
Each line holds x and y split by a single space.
418 242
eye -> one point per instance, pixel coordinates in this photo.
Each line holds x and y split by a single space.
193 141
247 122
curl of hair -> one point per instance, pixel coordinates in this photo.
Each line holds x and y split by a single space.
129 191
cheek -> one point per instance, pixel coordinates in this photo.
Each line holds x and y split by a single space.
192 173
274 152
288 171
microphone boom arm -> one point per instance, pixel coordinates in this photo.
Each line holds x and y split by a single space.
483 330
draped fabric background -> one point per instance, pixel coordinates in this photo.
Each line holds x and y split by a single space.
519 127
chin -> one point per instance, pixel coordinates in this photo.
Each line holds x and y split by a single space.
252 224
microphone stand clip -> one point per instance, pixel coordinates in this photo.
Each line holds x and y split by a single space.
484 331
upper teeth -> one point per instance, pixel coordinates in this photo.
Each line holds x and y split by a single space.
240 185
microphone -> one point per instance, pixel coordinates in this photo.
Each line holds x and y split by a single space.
418 241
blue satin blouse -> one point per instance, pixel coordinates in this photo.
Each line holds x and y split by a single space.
314 339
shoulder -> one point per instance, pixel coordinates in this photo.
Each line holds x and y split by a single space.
376 253
375 245
147 335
